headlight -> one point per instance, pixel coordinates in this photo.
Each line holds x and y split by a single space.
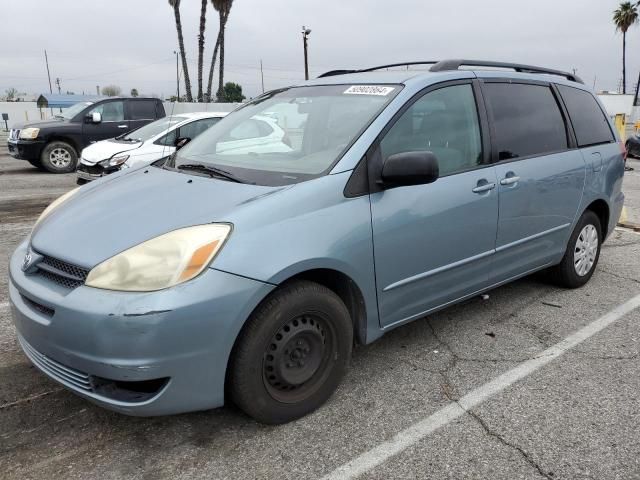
29 133
55 204
161 262
115 161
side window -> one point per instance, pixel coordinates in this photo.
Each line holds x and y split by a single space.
251 128
589 121
193 129
445 122
142 109
110 111
526 118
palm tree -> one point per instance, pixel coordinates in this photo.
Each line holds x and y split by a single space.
175 4
203 12
624 17
223 7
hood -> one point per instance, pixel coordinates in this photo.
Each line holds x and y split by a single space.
106 149
54 122
111 215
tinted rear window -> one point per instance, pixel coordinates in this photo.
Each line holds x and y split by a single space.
527 120
589 121
142 109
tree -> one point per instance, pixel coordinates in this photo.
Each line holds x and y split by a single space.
223 7
203 19
624 17
10 94
175 4
134 92
231 93
111 90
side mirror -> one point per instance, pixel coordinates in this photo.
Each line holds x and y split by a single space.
410 168
95 117
181 142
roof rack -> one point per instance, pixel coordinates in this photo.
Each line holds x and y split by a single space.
446 65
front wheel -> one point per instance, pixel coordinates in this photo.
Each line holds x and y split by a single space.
59 157
582 254
292 354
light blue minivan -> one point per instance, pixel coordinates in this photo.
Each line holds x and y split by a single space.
244 268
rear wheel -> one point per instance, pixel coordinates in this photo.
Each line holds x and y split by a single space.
582 254
292 354
59 157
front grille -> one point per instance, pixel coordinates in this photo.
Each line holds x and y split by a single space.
62 273
43 309
57 370
96 169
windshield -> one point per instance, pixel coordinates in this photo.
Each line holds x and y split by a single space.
290 135
73 110
152 129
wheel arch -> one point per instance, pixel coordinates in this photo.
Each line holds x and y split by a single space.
63 138
601 208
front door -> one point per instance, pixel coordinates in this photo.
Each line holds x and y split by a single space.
434 243
113 122
540 179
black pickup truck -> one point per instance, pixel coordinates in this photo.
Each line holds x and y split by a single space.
56 144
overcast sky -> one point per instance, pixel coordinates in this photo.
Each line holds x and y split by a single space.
130 43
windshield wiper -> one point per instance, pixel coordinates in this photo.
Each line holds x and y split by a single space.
211 170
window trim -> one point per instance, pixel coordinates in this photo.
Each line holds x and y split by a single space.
565 118
606 117
373 157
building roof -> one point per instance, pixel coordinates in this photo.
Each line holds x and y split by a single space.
55 100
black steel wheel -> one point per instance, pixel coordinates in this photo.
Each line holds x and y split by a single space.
291 354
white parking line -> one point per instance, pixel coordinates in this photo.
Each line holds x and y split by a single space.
413 434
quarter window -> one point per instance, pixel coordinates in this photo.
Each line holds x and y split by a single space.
444 122
526 119
589 121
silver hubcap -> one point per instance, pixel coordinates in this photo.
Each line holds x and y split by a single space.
60 157
584 255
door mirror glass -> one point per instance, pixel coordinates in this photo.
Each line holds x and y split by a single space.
95 117
410 168
181 142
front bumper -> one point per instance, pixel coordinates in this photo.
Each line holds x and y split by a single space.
87 173
25 150
92 341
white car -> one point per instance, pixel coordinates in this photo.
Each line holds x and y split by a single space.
144 145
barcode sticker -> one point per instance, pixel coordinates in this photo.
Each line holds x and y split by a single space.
369 90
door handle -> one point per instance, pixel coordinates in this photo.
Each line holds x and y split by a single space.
509 180
123 126
484 188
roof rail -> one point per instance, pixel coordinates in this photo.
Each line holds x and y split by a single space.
445 65
407 64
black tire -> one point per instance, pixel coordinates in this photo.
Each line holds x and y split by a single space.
59 157
37 164
565 274
292 353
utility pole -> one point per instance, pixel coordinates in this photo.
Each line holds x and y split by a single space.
46 61
98 90
58 84
262 75
305 35
177 78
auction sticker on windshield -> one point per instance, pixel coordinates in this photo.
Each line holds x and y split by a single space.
369 90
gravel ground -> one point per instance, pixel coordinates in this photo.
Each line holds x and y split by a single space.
576 417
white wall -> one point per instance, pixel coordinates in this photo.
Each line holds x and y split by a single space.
615 104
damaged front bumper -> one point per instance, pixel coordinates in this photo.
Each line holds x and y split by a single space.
142 354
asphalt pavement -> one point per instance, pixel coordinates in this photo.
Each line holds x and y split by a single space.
491 388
